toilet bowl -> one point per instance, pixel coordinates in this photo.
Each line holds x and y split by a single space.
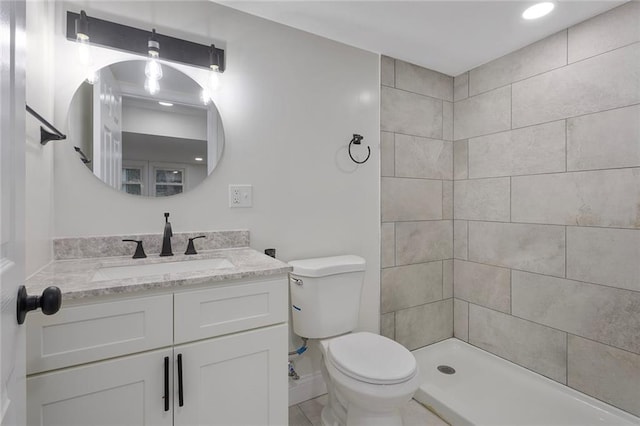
368 377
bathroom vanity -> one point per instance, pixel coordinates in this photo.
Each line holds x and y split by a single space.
199 346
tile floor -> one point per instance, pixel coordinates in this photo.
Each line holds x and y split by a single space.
308 414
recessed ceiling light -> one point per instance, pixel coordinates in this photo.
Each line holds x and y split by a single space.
198 158
167 104
538 10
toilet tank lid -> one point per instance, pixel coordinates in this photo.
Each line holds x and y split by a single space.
323 266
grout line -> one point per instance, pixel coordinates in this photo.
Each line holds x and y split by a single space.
394 73
547 122
566 358
510 291
559 172
510 199
468 240
566 145
433 98
524 223
565 252
550 276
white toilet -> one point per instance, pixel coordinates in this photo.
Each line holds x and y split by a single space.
369 377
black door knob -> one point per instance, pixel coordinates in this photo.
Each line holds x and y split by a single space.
49 302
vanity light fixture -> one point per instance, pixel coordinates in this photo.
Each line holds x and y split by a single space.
538 10
84 46
215 62
198 158
166 104
153 69
84 29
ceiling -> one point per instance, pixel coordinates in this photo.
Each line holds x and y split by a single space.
447 36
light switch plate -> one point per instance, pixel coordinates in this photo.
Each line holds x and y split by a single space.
240 196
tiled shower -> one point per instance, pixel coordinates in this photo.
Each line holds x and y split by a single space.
511 206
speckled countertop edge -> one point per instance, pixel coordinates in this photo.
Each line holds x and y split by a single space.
73 277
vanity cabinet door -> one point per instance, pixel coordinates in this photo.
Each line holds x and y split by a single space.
238 379
124 391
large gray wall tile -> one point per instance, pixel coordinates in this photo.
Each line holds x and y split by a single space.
406 286
423 81
541 56
422 325
604 256
534 248
594 198
603 82
460 241
482 199
461 319
604 140
410 199
606 373
461 87
461 159
388 245
387 71
608 31
411 114
387 154
479 115
605 314
484 285
531 150
539 348
418 242
423 157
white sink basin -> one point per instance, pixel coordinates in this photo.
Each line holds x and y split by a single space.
135 271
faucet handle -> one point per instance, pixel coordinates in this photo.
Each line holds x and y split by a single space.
190 247
139 254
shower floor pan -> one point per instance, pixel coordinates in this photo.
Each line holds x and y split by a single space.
488 390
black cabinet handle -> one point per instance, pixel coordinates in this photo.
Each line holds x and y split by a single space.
166 383
180 391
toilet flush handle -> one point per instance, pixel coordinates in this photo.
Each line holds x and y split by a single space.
297 281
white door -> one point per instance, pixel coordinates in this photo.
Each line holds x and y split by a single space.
127 391
107 128
12 141
238 379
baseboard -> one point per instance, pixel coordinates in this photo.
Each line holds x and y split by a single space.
307 387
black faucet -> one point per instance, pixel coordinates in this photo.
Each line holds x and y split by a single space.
166 238
139 254
190 247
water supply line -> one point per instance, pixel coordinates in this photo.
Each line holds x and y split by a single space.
301 349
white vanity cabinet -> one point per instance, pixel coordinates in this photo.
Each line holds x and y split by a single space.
209 356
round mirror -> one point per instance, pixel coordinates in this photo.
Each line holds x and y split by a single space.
141 143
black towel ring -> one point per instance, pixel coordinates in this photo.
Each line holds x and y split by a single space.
357 139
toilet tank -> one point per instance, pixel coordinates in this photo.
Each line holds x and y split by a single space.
325 295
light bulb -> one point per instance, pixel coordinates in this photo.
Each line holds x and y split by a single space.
214 80
153 70
151 85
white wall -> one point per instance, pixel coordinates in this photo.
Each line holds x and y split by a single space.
39 159
289 103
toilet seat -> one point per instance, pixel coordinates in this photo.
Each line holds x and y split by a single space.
371 358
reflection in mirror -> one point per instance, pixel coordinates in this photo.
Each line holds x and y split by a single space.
151 145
